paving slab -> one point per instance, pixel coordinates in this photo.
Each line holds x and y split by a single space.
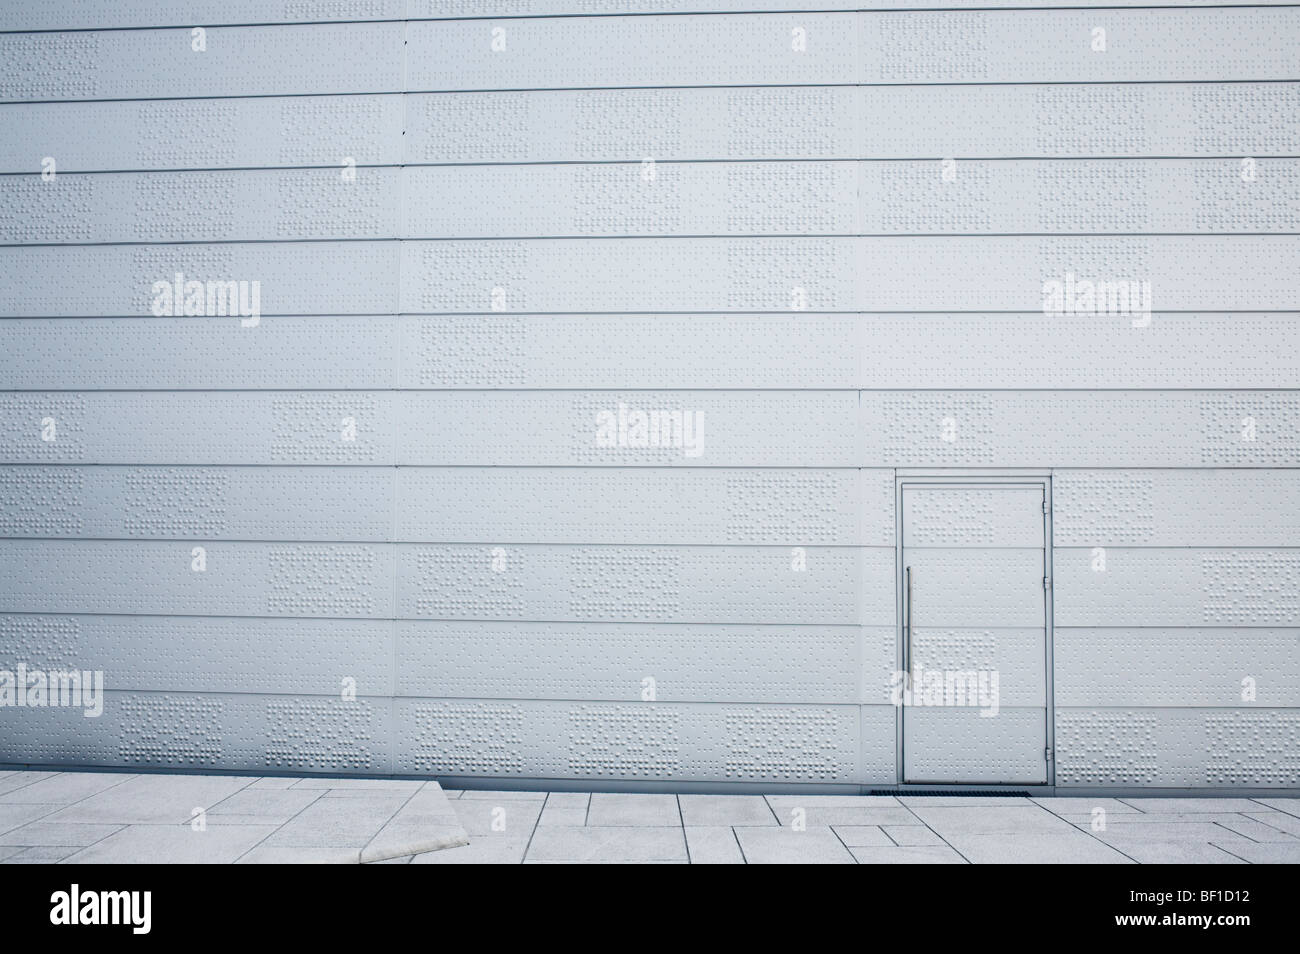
486 817
1256 830
1175 853
725 810
568 800
610 810
43 833
41 855
1177 832
407 785
1069 847
1216 806
823 811
604 844
173 844
816 845
713 845
15 816
1077 805
864 836
17 780
1278 820
500 849
64 788
1161 818
335 824
1019 819
909 836
498 795
908 855
1290 806
607 861
7 851
565 817
265 854
1265 854
271 806
152 800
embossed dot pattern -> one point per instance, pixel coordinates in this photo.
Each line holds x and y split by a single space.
380 528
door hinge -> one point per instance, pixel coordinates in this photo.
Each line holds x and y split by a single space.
1046 509
1047 582
1047 754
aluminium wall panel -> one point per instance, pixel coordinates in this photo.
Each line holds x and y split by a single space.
899 122
696 428
1032 46
714 584
237 655
234 61
878 352
817 429
628 351
1182 667
838 274
102 14
665 584
250 205
668 199
1176 508
202 133
318 278
698 506
1153 586
220 427
194 353
655 274
676 352
210 730
208 503
197 579
602 740
893 122
619 662
1178 748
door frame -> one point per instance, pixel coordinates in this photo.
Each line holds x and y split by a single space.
969 478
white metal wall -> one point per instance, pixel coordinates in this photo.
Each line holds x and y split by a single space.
827 252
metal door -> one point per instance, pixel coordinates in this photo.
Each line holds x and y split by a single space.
974 634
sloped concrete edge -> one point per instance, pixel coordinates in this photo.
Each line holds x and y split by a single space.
427 822
416 846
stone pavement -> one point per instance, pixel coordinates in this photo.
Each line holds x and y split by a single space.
514 827
121 818
114 818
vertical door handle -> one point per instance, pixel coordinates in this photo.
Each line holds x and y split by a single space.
907 623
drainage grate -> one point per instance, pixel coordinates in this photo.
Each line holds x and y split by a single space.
953 794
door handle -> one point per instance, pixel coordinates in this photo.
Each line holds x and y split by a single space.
907 623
